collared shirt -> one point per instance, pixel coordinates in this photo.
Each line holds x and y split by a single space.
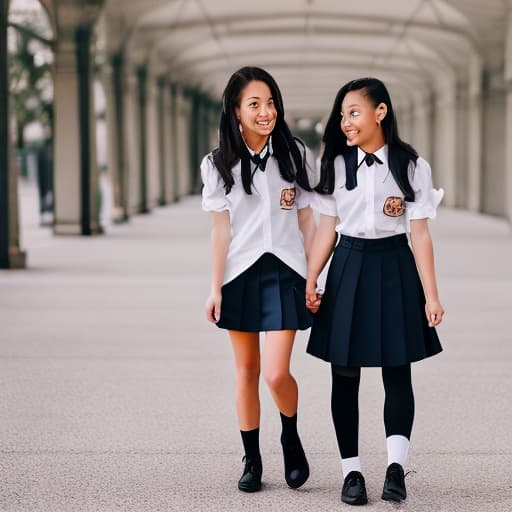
376 207
264 221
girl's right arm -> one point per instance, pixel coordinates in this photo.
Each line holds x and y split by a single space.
323 246
221 238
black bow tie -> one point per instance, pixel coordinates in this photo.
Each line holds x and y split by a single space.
260 162
370 159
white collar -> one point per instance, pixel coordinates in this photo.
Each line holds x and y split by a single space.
266 147
381 154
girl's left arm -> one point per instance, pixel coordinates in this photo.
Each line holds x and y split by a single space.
424 257
308 227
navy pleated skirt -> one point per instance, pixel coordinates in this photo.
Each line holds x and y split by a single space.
268 296
373 309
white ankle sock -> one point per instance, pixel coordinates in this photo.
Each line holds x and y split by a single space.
398 446
350 464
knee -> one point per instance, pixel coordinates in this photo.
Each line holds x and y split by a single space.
248 374
275 379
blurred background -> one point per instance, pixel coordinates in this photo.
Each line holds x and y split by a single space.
116 393
112 104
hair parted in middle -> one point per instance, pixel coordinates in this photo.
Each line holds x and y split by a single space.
400 155
232 148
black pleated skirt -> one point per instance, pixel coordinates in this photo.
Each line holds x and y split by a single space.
373 309
268 296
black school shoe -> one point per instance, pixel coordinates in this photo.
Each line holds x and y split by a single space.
354 489
394 484
250 480
296 467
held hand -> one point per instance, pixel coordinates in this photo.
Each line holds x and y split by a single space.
434 312
212 307
313 299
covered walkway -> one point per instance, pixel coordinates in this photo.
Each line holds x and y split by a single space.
118 395
162 66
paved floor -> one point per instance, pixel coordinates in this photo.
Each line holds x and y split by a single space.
116 395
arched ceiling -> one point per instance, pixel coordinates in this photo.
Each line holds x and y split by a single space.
311 47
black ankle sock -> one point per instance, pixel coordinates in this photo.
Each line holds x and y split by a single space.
251 440
289 433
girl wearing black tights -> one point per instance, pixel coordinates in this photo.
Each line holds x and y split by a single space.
377 310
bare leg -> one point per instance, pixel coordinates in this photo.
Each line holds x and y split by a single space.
246 349
276 367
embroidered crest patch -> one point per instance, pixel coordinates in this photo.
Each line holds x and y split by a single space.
287 199
394 207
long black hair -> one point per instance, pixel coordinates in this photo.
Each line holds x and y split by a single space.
400 155
232 148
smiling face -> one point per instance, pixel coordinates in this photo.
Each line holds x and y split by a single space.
360 121
257 114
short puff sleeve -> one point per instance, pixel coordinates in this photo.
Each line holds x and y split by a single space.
325 204
304 197
214 193
426 197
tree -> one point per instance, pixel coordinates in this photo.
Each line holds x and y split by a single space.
30 77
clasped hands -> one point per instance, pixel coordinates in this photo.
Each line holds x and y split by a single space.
313 297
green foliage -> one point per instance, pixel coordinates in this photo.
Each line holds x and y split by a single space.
30 78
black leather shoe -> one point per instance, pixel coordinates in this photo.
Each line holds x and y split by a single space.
394 484
250 480
354 489
296 467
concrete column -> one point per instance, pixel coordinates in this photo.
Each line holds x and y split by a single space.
75 170
169 188
131 138
161 110
508 115
195 135
405 121
444 139
113 84
175 105
213 125
142 74
422 130
474 135
183 143
152 135
494 181
461 145
5 169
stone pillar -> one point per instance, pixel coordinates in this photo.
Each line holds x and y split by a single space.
444 141
75 171
474 135
196 129
161 111
422 132
213 130
168 136
116 136
17 256
132 139
173 95
183 143
461 144
508 115
142 74
5 169
151 136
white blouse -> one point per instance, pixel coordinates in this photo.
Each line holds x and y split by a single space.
376 207
265 221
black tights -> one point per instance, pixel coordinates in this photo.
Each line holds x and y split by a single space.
398 404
